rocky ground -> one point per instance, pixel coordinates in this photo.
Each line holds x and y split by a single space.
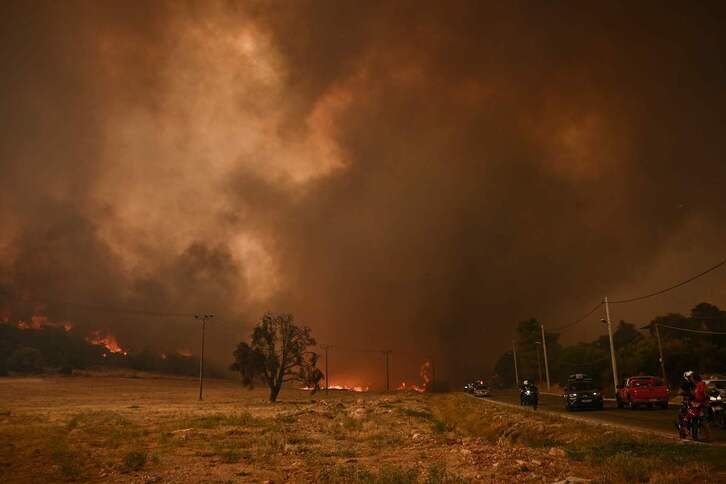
153 430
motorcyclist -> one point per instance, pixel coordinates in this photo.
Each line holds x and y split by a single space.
528 392
686 392
700 401
694 404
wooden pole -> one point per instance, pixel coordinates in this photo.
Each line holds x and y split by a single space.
660 355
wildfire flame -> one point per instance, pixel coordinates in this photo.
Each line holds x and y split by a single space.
352 388
107 340
424 374
411 386
38 322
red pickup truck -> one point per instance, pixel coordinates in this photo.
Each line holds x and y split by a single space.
642 390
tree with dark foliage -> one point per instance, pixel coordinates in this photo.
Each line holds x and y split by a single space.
26 360
278 354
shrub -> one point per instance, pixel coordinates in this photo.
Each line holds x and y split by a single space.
68 461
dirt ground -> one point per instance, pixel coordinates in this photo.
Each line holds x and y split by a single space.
145 429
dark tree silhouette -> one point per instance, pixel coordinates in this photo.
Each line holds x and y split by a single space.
278 354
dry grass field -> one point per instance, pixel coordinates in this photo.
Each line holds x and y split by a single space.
145 429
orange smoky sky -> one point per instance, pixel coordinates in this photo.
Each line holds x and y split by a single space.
415 176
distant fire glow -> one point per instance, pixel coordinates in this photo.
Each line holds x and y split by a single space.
184 352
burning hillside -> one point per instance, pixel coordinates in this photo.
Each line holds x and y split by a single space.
44 345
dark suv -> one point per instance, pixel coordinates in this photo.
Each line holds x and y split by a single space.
582 394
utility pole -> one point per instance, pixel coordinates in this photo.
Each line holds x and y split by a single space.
660 354
204 318
433 374
326 348
388 379
539 363
544 350
516 370
612 345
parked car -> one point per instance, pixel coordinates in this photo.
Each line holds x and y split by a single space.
642 390
717 399
581 392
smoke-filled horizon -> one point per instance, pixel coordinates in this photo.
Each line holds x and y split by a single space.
409 175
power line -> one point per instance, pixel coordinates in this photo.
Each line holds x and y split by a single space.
581 319
105 308
645 296
682 283
353 348
699 331
101 308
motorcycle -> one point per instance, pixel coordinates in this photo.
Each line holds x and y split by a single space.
529 396
690 421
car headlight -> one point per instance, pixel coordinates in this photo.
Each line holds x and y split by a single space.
527 392
594 394
713 399
572 395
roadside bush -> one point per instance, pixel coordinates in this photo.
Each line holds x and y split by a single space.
26 360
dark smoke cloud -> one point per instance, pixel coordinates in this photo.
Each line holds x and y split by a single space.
408 175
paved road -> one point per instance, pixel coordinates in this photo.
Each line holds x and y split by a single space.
642 418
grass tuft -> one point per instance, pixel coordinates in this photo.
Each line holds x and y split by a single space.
438 474
346 473
134 461
422 414
221 420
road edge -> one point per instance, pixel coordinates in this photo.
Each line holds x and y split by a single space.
591 421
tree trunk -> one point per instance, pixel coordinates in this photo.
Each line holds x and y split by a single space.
274 391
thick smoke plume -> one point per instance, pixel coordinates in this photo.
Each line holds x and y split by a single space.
400 175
